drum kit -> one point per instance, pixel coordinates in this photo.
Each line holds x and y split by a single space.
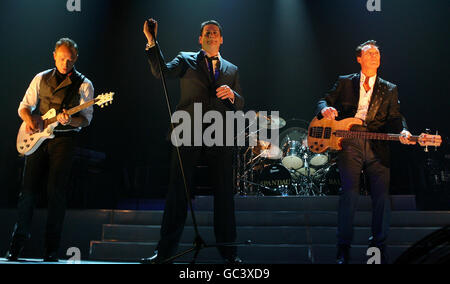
288 169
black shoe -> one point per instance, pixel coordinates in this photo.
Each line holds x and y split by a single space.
343 254
51 256
10 256
385 258
15 248
155 259
233 260
384 251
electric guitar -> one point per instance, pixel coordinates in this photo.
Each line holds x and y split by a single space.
327 134
27 143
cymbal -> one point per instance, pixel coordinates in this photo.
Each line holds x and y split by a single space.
272 122
267 150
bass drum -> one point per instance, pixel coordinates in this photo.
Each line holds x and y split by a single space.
275 180
306 171
329 180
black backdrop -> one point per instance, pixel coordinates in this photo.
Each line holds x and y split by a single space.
289 53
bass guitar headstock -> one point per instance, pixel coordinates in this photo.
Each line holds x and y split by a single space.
426 140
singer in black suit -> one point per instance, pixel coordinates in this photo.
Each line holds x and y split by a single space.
206 78
375 101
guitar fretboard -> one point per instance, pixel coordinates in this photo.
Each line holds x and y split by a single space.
371 135
73 111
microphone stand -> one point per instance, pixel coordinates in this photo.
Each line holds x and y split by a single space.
199 243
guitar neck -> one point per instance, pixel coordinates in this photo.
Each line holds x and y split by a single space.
73 111
372 135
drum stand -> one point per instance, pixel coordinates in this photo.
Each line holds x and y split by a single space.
322 173
309 188
249 173
243 173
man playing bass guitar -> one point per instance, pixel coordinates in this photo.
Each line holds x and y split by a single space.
375 101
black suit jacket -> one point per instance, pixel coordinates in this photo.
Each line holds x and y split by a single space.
196 85
384 109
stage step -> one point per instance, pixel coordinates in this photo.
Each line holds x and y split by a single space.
302 203
266 234
281 229
289 218
252 254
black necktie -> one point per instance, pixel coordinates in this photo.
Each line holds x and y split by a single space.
211 66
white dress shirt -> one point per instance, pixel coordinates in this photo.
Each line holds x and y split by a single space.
216 65
364 97
31 98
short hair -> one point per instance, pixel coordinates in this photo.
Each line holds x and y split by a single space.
360 47
210 22
67 42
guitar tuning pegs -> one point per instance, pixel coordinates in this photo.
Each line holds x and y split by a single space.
427 131
435 147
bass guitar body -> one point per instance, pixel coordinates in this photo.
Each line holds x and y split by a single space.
322 133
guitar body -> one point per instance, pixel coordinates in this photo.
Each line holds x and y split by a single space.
321 133
27 144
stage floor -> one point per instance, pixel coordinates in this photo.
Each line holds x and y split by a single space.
40 261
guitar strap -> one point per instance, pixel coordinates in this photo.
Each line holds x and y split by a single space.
73 90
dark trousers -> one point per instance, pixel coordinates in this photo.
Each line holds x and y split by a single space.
219 160
357 155
52 161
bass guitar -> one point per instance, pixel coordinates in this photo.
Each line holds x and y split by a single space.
325 134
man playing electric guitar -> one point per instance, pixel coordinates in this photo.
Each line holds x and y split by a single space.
60 88
375 101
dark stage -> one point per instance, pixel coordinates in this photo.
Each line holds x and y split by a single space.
289 54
